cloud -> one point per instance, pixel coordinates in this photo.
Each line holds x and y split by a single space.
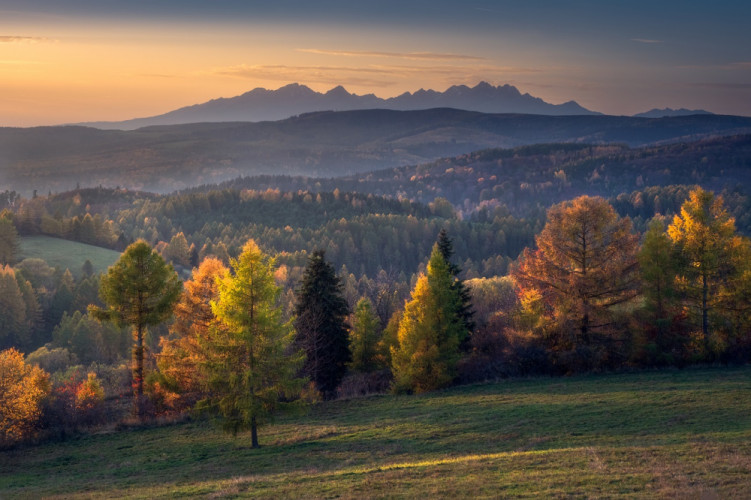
722 86
22 39
646 40
433 56
338 75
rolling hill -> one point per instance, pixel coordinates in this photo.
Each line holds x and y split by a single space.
323 144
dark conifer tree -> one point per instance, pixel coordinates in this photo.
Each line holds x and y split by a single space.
446 247
321 313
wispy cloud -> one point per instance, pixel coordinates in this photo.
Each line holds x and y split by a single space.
22 39
432 56
722 86
338 75
646 40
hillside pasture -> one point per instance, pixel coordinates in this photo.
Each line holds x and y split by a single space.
656 434
66 254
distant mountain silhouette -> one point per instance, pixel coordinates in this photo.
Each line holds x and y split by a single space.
295 99
662 113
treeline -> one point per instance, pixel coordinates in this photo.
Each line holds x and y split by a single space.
589 295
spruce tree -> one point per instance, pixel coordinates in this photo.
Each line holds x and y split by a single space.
321 323
446 247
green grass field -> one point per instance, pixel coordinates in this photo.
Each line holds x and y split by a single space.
660 434
66 254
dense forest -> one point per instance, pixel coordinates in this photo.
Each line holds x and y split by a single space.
490 241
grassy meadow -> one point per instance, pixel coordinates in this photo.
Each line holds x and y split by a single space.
654 434
66 254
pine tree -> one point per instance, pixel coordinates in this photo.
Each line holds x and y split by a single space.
139 290
249 367
321 323
430 331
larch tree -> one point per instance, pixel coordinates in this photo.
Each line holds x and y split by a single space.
22 390
321 324
584 265
139 290
184 351
430 331
704 234
364 337
250 366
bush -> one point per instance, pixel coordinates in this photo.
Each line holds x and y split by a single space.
362 384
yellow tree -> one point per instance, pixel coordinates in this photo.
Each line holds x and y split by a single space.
704 233
22 389
585 264
251 366
430 331
182 355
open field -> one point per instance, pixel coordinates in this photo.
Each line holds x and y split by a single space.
657 434
66 254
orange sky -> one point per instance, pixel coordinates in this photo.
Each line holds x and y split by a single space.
66 67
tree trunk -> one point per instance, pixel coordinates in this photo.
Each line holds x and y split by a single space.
138 371
253 433
704 311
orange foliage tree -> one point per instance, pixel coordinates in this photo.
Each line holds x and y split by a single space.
182 354
584 265
22 389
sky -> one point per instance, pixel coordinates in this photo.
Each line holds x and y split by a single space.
84 60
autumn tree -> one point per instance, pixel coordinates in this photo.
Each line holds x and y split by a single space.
584 265
22 390
139 290
250 366
178 251
321 324
183 353
430 331
704 233
364 337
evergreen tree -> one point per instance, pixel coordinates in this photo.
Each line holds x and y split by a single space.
364 337
139 290
8 242
14 330
249 367
446 246
321 314
430 331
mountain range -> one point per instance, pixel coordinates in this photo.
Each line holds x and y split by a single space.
295 99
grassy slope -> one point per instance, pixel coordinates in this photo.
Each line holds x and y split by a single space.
665 434
66 254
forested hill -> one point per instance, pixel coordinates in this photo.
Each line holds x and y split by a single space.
529 177
318 144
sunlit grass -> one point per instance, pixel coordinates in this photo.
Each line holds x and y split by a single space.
663 434
66 254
